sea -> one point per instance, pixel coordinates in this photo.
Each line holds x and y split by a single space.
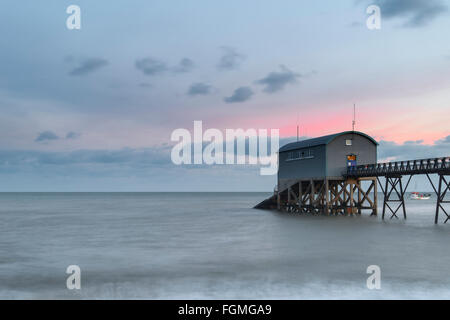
214 246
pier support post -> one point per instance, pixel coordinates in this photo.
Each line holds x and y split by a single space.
364 195
352 199
403 197
278 201
444 186
300 197
375 197
394 183
359 196
289 198
327 197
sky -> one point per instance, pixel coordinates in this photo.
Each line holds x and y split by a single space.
93 109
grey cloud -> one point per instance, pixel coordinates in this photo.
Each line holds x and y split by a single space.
72 135
416 12
230 59
86 66
46 136
445 140
150 66
185 65
121 170
413 150
413 142
159 155
240 95
145 85
355 24
277 80
199 88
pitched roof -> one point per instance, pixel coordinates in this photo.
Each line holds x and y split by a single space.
320 141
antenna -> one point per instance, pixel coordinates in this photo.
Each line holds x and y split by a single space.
354 117
297 126
297 132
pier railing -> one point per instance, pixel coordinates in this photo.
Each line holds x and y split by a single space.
407 167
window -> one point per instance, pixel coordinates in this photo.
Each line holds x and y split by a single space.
348 142
300 155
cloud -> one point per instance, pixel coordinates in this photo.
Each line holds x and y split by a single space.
145 169
46 136
412 142
124 170
150 66
145 85
73 135
240 95
199 88
230 59
158 155
277 80
86 66
416 12
410 150
445 140
185 65
50 135
355 24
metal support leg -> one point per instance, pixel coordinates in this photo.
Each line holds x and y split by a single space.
402 193
385 194
394 184
444 186
436 217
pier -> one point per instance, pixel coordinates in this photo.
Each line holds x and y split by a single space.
394 191
321 176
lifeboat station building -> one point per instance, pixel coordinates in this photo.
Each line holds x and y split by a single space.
312 174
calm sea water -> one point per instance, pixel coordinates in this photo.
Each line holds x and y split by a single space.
212 245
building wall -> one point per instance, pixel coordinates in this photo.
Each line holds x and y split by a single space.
290 171
337 151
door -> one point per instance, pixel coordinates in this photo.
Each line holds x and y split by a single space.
351 161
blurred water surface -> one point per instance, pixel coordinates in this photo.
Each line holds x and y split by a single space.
212 245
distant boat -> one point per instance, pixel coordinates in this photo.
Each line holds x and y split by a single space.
420 196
